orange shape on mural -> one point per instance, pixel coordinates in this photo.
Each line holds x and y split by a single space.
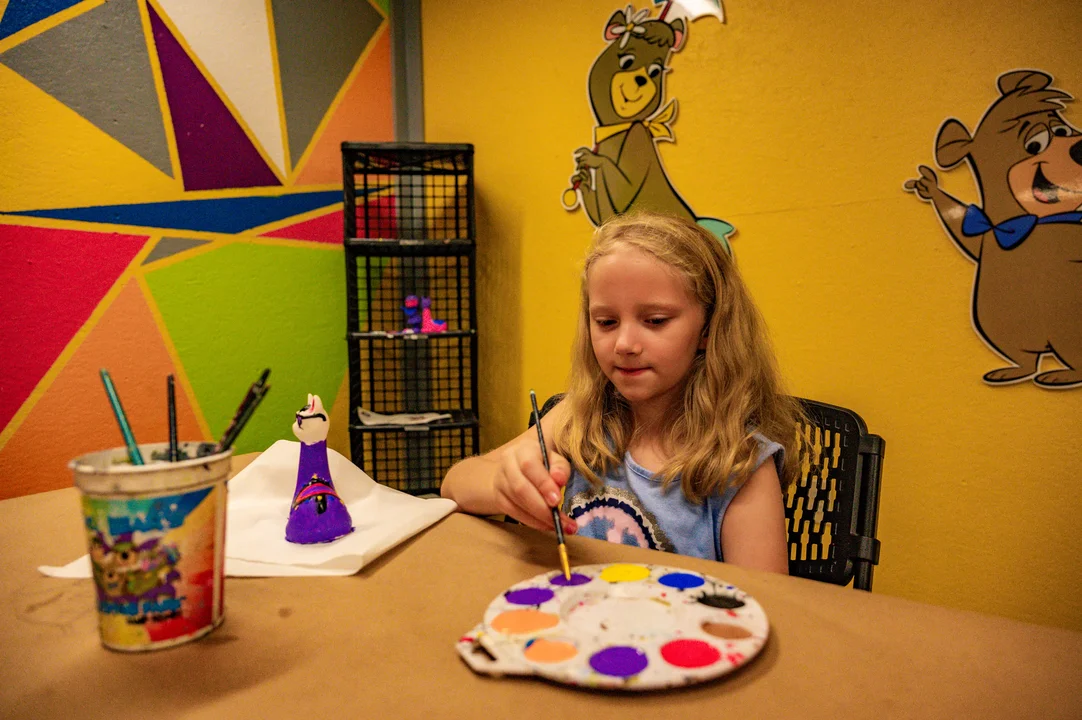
73 417
363 115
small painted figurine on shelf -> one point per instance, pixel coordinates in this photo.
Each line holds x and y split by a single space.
419 316
317 514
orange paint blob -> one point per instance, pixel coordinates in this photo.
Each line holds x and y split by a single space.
515 622
549 651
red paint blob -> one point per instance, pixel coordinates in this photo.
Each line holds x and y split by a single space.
690 653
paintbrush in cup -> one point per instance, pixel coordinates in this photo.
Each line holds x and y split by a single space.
556 509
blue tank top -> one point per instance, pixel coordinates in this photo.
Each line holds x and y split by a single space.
633 508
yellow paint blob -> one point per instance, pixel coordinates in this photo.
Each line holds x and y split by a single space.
515 622
624 573
550 651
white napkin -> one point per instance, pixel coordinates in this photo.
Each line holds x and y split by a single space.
368 417
258 508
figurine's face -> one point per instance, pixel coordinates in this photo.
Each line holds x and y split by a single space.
311 425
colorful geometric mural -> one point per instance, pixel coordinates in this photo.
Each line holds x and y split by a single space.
171 203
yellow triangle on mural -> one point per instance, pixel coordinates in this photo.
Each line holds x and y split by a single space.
53 157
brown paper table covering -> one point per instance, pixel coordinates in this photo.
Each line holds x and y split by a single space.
380 644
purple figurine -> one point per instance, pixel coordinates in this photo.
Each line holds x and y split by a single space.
317 514
419 316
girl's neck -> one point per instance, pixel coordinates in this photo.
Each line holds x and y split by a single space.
649 439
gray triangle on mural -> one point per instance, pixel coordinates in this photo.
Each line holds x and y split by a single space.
319 42
98 65
169 246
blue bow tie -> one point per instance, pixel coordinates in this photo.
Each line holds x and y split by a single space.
1010 233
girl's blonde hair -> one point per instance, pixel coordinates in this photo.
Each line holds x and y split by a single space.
734 388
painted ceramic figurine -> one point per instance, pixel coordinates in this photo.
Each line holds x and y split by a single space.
419 316
317 514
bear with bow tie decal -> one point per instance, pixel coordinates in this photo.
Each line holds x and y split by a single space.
1025 235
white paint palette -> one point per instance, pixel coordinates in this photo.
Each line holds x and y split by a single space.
618 627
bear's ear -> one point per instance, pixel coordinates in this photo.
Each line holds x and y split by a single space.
1027 80
677 26
618 18
952 143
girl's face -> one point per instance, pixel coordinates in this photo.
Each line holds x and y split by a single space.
645 326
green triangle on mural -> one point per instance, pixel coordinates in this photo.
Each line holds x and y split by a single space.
235 310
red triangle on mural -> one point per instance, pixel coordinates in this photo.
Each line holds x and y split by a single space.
214 150
73 416
363 115
325 229
52 280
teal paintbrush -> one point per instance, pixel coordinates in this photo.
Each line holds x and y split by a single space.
134 455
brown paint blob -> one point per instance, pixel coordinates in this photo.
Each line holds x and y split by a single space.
725 630
515 622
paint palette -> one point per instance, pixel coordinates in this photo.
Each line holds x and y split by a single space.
623 627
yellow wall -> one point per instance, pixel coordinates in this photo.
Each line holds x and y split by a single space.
798 123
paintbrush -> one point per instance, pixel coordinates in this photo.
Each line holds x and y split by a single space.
134 455
230 433
171 405
249 409
556 509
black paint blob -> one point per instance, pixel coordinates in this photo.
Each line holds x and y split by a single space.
721 602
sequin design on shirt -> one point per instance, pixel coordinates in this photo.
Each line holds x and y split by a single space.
615 514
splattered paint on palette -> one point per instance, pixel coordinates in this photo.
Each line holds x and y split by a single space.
621 626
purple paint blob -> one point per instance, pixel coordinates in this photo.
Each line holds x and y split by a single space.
576 579
529 596
214 150
681 581
619 661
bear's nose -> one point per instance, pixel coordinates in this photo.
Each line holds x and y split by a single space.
640 81
1076 152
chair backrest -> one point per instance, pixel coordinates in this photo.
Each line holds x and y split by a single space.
832 510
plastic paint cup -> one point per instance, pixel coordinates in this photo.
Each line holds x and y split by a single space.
156 534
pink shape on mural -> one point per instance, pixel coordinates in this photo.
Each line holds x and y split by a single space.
52 280
325 229
215 152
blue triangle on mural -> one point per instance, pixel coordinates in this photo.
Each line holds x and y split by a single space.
227 215
23 13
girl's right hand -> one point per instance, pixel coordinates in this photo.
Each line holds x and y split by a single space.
526 492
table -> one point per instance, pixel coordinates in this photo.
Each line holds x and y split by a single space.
380 644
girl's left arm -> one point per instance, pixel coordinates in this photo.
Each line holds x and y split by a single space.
753 530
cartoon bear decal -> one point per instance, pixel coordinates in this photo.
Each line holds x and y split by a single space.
1025 236
626 87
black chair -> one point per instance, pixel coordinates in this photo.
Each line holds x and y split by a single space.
832 510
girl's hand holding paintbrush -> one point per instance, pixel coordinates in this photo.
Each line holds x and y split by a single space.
526 491
512 480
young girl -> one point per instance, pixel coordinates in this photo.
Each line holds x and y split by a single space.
674 408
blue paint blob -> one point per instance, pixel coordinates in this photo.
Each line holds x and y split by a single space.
576 579
529 596
619 661
681 581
